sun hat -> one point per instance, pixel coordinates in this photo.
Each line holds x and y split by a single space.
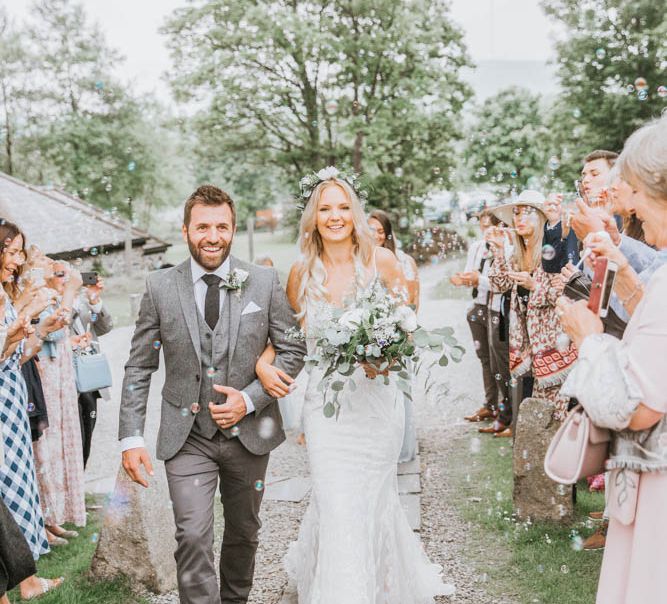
528 197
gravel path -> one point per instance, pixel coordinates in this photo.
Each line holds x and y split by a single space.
443 532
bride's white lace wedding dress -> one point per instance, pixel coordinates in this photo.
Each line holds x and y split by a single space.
355 545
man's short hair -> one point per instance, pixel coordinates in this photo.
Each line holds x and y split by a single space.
609 156
208 195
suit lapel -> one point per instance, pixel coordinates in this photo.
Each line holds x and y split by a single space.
186 294
235 301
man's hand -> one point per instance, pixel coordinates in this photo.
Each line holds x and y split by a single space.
456 279
133 459
232 411
587 220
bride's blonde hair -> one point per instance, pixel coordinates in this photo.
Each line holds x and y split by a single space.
313 273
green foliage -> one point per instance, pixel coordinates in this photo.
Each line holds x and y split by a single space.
507 147
71 123
299 85
609 48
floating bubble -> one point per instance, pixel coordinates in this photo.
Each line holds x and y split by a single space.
131 166
577 543
331 106
259 485
576 113
564 569
94 251
184 412
436 170
94 538
540 568
267 428
562 342
513 382
399 172
478 345
548 252
195 408
31 407
495 320
196 482
629 89
554 163
235 431
157 345
642 95
93 414
93 317
210 372
518 152
482 171
600 53
499 496
662 91
641 84
99 85
524 454
514 174
108 187
475 445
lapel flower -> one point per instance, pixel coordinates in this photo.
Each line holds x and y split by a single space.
236 280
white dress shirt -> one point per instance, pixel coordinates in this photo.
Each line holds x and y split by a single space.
200 288
476 252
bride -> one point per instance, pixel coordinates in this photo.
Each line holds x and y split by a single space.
355 545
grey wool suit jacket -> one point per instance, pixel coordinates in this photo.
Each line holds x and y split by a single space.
168 321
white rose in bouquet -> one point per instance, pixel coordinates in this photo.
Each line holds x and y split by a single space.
407 319
352 318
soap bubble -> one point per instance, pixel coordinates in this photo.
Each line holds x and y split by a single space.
562 342
629 89
259 485
662 91
157 345
554 163
267 428
641 83
564 569
184 412
210 372
642 95
548 252
475 445
131 166
31 407
94 538
600 53
235 431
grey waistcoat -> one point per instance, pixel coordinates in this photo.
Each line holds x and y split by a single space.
214 356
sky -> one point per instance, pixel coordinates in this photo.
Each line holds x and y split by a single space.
494 30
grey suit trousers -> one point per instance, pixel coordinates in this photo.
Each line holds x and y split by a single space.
193 475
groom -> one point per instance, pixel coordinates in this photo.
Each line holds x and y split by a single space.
212 316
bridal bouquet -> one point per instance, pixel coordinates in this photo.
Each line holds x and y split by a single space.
379 330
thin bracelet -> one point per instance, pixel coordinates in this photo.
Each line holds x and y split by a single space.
635 291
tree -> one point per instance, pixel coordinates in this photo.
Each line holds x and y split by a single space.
611 67
301 84
507 145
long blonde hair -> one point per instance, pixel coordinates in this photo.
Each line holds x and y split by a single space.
521 259
313 273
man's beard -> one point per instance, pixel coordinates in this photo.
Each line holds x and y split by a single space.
208 263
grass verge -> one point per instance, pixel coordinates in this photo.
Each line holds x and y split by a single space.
73 562
547 564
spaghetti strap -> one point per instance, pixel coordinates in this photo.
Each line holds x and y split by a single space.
375 263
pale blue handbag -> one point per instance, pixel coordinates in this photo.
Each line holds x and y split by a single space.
91 371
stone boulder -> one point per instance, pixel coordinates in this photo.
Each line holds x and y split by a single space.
137 536
536 496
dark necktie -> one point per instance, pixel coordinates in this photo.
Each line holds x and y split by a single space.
212 301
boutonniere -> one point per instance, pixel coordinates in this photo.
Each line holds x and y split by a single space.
235 281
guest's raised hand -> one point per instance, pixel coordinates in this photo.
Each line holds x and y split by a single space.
553 208
610 226
586 220
523 278
601 245
578 320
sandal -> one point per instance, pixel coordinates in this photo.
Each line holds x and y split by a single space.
62 533
46 585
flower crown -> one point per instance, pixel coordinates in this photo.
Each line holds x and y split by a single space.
308 183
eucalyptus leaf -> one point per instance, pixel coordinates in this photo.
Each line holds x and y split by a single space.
337 386
329 410
443 361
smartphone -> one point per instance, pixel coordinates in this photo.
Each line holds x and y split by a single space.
602 286
89 278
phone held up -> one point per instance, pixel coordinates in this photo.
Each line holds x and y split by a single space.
602 286
89 279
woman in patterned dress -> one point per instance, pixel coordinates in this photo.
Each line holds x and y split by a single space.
58 453
18 483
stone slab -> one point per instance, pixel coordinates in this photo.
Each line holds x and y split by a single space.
411 505
409 483
410 467
137 536
292 489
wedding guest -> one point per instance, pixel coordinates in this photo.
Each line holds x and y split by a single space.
534 330
622 385
59 453
18 483
564 239
383 233
90 319
475 275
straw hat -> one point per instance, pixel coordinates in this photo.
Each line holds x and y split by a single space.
529 197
